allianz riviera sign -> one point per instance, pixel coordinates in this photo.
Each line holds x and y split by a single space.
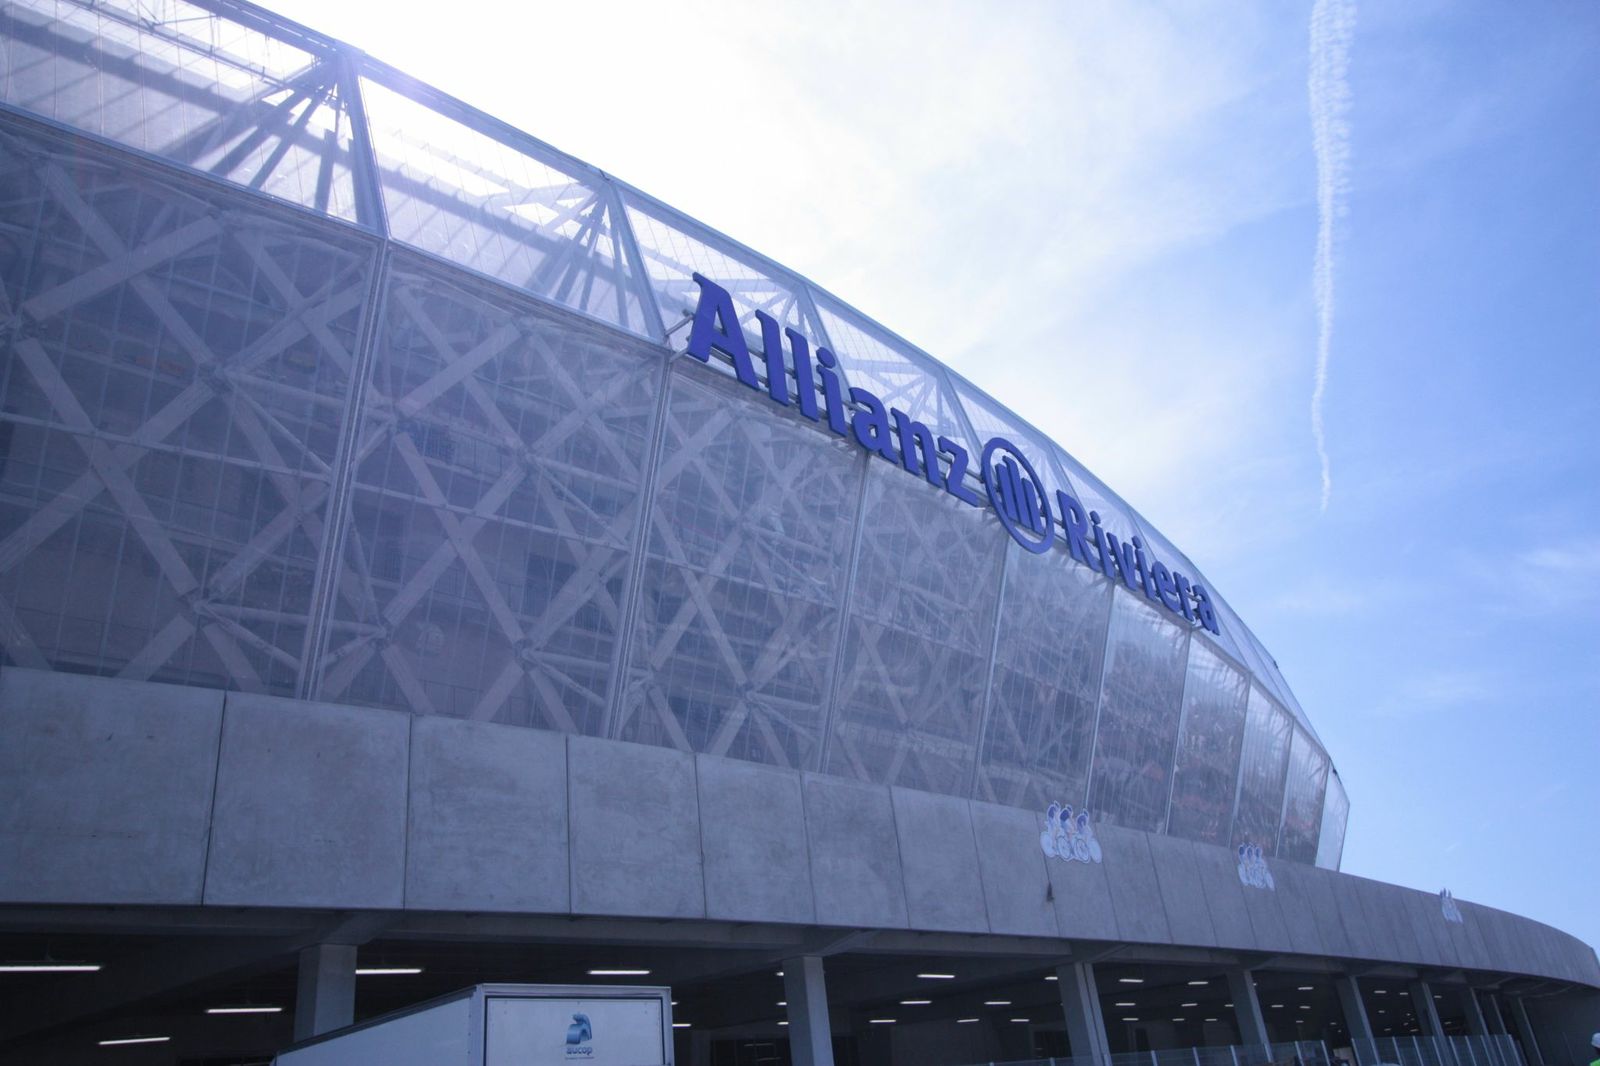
1015 491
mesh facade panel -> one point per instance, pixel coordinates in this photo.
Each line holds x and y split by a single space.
1215 696
1262 768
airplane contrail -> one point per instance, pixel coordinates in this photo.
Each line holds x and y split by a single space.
1328 85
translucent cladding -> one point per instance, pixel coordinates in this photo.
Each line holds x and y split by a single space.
739 606
1040 718
988 418
1263 764
509 212
1215 697
1302 808
1091 492
919 637
895 372
1335 813
176 80
674 249
175 378
498 490
1140 698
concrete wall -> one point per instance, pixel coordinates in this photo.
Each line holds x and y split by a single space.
119 792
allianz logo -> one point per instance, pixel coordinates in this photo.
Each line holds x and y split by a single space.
1447 905
1067 836
1253 868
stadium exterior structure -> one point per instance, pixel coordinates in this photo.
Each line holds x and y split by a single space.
417 545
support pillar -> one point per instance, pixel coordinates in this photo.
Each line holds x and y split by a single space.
1080 1004
1354 1008
325 993
1247 1011
1477 1024
810 1035
1495 1015
1422 1004
1525 1033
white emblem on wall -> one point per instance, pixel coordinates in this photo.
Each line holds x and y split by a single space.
1068 836
1253 868
1447 904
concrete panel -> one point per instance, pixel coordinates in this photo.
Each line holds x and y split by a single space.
1427 923
1082 894
1266 919
1478 956
1219 879
855 853
939 862
1135 892
488 818
1296 905
105 788
1397 920
752 830
311 806
1325 911
1366 936
1182 897
634 813
1016 884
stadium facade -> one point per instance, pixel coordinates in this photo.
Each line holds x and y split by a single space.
418 547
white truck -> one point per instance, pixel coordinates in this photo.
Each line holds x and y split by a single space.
507 1025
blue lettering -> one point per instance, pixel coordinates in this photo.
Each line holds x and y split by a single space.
1077 527
777 372
871 424
830 391
955 481
716 328
918 452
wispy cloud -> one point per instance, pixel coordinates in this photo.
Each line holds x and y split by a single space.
1332 30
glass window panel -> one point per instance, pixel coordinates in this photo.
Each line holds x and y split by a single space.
502 211
989 419
674 249
1335 813
176 80
892 370
739 607
1263 763
1215 696
920 637
1046 682
169 417
1095 497
1302 809
496 504
1140 698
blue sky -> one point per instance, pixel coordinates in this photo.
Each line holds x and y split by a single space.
1105 214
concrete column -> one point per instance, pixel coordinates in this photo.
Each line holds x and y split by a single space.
1525 1033
1477 1024
1422 1004
325 996
810 1035
1354 1008
1494 1015
1247 1011
1080 1004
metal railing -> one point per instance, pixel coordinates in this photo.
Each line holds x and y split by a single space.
1498 1050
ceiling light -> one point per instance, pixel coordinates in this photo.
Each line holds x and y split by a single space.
1022 1020
1188 1004
915 1002
685 1025
244 1010
1277 1006
390 971
1052 977
619 973
880 1021
1130 980
1304 1007
1126 1003
1198 984
783 1003
136 1040
1304 988
1130 1019
1210 1019
1227 1004
997 1003
780 973
49 967
937 976
1380 991
965 1021
1177 1019
783 1023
